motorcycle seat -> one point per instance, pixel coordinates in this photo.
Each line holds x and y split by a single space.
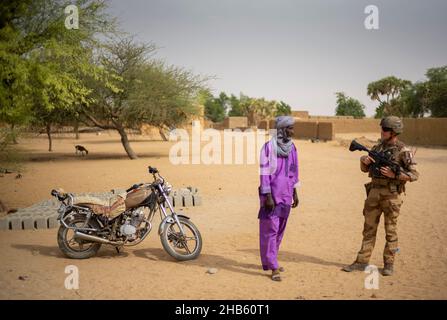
112 208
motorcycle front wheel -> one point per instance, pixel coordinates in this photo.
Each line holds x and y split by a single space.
182 248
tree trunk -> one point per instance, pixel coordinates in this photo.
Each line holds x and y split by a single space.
13 134
125 141
50 142
76 130
162 134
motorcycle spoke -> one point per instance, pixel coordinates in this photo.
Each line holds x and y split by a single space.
186 247
72 242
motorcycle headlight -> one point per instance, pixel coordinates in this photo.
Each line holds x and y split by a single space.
167 188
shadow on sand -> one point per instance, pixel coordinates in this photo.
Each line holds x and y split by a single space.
288 256
204 260
60 156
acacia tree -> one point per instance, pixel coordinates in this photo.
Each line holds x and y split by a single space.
258 108
46 61
387 91
140 90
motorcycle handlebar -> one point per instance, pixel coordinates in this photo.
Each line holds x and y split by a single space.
135 186
60 196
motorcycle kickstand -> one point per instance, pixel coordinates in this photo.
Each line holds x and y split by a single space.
118 249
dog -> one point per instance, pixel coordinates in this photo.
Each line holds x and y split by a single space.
81 149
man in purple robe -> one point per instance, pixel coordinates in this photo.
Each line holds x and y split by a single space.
277 192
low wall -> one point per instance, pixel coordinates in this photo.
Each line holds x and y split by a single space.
305 130
354 125
325 131
300 114
235 122
263 124
425 131
417 131
330 117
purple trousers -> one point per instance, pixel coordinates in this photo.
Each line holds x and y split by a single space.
271 232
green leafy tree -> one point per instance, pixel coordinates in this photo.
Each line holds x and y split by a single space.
259 109
347 106
141 90
283 109
435 99
46 61
387 91
236 106
425 97
216 108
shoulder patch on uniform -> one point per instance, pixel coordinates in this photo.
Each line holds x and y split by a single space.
408 156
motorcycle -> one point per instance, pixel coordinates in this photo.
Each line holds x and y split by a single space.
84 227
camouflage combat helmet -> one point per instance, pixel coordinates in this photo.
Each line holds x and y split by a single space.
394 123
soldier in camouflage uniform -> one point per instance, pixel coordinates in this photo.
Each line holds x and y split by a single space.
384 195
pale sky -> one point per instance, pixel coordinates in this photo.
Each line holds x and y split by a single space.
301 52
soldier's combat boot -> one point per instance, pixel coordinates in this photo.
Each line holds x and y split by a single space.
388 269
356 266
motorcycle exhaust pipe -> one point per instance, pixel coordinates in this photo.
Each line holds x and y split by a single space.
88 237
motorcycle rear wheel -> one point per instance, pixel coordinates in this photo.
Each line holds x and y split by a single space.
76 248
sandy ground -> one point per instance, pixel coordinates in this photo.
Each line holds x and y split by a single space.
322 235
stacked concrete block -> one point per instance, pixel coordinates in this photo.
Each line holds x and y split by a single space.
28 223
197 199
4 224
43 215
187 200
178 201
53 222
15 223
185 197
41 222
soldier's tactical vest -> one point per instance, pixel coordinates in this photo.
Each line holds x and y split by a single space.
393 153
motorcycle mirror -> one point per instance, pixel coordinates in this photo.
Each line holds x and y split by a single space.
152 170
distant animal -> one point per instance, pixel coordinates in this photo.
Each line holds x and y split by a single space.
4 170
19 176
81 149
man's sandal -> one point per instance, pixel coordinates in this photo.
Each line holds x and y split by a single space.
276 276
